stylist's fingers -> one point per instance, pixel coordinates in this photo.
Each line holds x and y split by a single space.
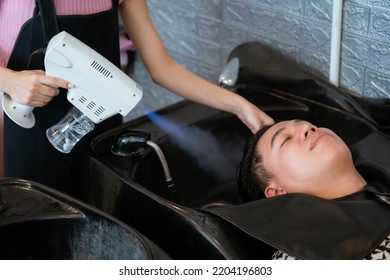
43 89
254 118
53 81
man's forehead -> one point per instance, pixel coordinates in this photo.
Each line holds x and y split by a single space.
274 129
266 137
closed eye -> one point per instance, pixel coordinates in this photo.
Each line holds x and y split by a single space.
285 140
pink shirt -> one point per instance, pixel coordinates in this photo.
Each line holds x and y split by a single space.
14 13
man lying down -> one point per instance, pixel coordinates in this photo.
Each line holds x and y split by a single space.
296 157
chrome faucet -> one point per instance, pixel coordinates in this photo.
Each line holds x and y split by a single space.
129 139
229 74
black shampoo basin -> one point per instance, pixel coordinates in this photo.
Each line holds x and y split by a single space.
204 166
40 223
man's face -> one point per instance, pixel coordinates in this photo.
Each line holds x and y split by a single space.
302 157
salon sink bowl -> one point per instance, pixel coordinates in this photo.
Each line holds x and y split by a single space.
41 223
204 170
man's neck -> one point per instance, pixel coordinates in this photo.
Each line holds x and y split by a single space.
347 184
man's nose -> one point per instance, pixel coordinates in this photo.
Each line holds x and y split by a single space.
305 129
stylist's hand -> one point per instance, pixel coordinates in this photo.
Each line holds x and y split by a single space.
31 87
253 117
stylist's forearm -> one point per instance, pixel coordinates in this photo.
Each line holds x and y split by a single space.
188 85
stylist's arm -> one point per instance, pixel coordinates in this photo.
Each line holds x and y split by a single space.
165 72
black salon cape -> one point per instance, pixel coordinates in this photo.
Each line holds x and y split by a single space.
309 227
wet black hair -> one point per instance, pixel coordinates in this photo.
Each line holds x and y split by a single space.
252 177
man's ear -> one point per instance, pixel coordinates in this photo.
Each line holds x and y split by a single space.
273 189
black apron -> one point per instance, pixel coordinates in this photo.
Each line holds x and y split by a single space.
27 152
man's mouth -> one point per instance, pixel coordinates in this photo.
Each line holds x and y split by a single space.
315 138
